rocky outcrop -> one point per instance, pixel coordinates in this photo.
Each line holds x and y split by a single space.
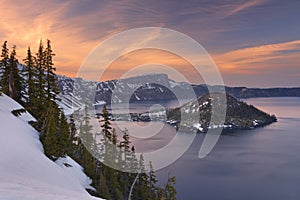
239 115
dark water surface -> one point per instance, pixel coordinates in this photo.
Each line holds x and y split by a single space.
260 164
263 163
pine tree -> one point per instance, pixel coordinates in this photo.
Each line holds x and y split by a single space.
86 137
134 175
49 131
73 129
15 80
31 82
152 182
107 139
125 149
85 130
55 132
4 64
104 191
125 164
170 191
143 190
41 104
106 126
110 155
51 80
64 136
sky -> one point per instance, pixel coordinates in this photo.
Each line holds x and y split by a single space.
254 43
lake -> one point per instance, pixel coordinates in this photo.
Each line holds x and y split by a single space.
262 163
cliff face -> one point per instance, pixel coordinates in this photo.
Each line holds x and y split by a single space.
155 87
151 87
243 92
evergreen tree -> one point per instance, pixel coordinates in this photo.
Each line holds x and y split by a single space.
4 64
125 150
73 129
15 80
86 136
110 156
134 177
55 132
64 136
85 130
74 137
106 126
142 190
152 182
125 162
31 82
104 191
51 80
170 191
41 105
49 131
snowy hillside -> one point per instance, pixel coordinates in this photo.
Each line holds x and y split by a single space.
25 172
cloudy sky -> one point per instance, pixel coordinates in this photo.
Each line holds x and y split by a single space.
254 43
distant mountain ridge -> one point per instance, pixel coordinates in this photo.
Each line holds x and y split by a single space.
155 87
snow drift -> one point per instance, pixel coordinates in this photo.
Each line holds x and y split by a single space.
25 172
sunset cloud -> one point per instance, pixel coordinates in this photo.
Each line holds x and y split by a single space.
244 6
153 58
267 63
245 37
256 59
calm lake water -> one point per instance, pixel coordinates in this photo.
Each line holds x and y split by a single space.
263 163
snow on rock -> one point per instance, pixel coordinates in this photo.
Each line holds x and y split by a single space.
25 172
198 126
173 84
99 103
255 123
69 103
7 105
75 170
138 98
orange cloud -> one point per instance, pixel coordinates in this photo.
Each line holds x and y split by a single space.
25 25
156 60
255 60
244 6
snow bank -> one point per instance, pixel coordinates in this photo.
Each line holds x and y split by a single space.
75 170
25 172
7 105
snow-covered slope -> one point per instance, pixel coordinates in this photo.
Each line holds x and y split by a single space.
25 172
75 170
